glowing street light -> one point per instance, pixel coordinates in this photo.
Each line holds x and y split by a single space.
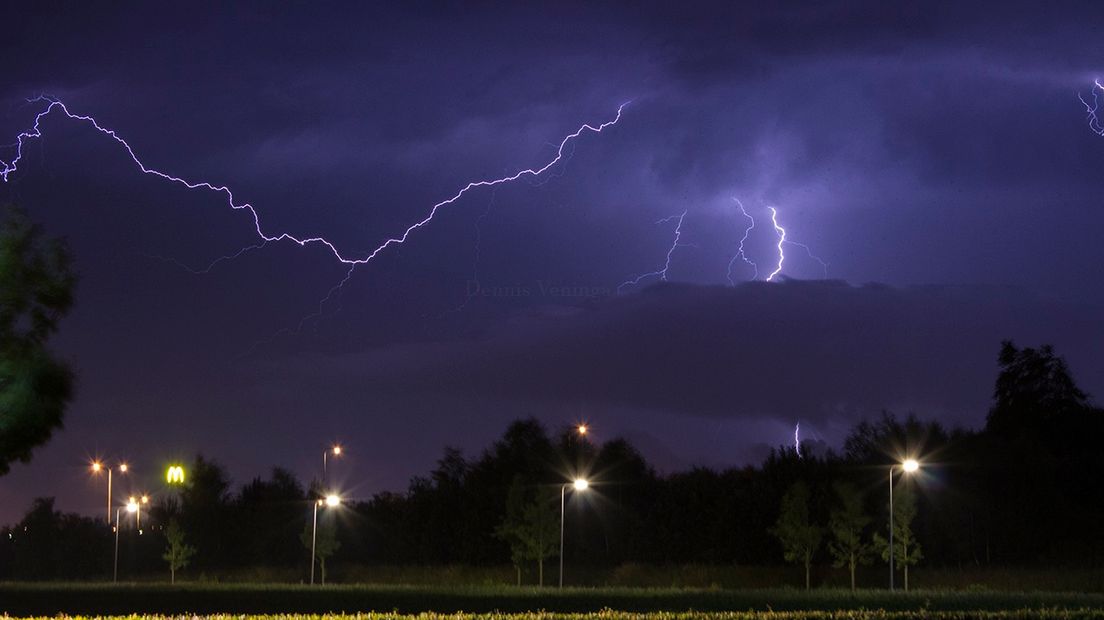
332 501
579 484
335 450
582 429
99 466
908 466
138 502
131 507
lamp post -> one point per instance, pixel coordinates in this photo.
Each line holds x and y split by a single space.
332 501
908 466
131 506
138 510
97 467
580 484
334 450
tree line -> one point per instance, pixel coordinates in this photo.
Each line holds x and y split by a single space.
1021 491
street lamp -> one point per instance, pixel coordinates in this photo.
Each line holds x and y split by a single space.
131 507
582 429
579 484
334 450
138 511
332 501
909 466
97 467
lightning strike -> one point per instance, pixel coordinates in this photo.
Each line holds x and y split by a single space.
782 241
1092 108
740 252
797 439
7 168
662 273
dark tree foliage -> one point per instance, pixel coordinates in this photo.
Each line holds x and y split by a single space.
1023 491
36 290
1035 394
48 544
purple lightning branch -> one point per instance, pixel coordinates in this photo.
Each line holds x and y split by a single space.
7 168
1092 108
740 252
661 273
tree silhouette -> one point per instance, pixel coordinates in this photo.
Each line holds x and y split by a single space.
847 523
906 551
800 538
36 290
325 541
177 554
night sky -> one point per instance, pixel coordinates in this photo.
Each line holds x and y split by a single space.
935 156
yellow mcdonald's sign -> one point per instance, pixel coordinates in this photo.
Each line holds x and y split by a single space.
175 475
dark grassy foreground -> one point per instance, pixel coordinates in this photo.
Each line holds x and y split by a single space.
49 599
1032 614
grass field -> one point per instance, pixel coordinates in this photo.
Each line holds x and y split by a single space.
1030 614
51 599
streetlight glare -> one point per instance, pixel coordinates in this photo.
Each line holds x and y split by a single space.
582 428
145 499
332 500
337 450
910 465
97 466
132 506
581 484
123 467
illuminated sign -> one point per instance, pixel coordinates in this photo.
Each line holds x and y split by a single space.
175 475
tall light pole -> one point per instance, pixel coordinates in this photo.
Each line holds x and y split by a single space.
580 484
334 450
97 467
131 506
332 501
908 466
138 511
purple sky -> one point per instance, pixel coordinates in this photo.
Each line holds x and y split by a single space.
935 155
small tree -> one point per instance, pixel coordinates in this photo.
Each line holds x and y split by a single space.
178 553
799 537
529 527
325 543
906 549
511 530
846 525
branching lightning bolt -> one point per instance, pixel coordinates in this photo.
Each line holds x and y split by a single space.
740 252
1092 108
562 151
782 241
661 273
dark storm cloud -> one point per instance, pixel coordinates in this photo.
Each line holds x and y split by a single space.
820 351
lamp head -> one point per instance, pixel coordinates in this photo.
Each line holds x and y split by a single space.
581 484
123 467
332 501
132 506
96 467
337 450
910 465
582 428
